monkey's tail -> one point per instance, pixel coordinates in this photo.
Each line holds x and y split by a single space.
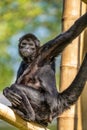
70 95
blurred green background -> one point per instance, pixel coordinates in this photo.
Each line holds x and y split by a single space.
41 17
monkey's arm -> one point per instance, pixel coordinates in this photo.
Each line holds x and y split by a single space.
54 47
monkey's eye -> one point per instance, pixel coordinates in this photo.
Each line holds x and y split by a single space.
33 49
31 44
24 43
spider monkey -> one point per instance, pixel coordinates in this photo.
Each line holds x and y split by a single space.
43 105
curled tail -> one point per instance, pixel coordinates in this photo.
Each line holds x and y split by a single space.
70 95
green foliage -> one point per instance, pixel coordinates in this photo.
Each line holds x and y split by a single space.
41 17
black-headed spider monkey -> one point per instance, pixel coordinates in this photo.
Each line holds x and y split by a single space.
34 96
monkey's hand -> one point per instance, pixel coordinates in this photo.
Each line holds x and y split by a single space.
14 98
20 103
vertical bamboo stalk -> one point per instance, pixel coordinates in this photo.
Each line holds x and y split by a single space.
83 38
82 49
69 63
83 41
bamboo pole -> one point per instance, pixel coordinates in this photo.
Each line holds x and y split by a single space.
84 50
79 109
12 118
69 63
83 47
84 97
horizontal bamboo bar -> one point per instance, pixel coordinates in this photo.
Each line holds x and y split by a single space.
8 115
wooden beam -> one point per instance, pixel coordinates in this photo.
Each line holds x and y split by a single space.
8 115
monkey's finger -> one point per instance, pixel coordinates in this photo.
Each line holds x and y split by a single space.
15 95
15 103
14 100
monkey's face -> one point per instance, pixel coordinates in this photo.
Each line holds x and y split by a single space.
27 48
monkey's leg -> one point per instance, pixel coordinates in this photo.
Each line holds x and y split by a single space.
20 103
31 96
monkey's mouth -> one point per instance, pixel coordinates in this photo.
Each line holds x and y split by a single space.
25 53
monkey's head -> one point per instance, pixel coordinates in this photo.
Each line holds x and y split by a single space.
28 46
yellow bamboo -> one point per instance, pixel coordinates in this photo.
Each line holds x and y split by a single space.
83 46
69 64
9 116
83 41
84 98
79 109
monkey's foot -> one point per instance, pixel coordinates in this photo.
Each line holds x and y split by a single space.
22 115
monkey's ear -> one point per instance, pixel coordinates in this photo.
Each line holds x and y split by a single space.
37 42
